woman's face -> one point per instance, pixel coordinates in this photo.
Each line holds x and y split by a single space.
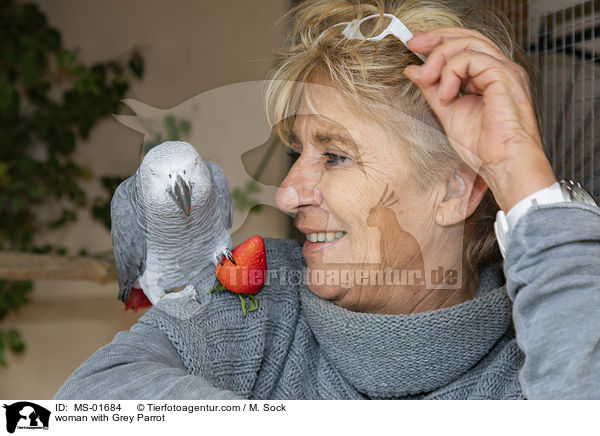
353 183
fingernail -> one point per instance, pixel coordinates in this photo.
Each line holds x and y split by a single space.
413 72
440 94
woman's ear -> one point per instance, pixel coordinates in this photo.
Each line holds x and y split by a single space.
464 191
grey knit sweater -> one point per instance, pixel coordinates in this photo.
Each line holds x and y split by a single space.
298 346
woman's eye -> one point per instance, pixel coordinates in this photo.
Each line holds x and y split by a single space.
335 159
293 154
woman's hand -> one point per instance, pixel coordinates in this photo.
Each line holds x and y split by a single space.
493 127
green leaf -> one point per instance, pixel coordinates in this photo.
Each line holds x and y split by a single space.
101 205
34 18
172 132
2 348
185 126
136 64
16 204
29 67
241 197
67 216
15 342
252 187
13 295
52 39
221 287
9 99
243 304
253 303
65 58
34 192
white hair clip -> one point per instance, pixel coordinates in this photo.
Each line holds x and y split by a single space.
352 30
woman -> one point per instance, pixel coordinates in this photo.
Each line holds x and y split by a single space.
399 303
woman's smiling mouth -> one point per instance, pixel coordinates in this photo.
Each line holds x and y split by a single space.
316 242
324 236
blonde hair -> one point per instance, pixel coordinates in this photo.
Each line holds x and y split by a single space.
370 76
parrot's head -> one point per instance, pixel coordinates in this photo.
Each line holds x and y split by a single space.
174 177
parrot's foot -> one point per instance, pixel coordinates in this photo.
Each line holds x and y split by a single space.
184 304
226 253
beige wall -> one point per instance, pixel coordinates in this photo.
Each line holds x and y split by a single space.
190 46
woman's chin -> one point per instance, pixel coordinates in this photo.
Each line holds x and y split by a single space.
325 284
330 267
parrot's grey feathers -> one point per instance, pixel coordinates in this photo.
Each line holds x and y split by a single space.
129 238
168 222
221 187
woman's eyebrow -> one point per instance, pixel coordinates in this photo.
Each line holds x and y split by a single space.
325 139
330 138
292 139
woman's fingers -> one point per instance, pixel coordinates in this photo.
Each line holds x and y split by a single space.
474 69
441 54
424 42
479 70
497 101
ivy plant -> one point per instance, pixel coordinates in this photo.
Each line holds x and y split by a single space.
49 99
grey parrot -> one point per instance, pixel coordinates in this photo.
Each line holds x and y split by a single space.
170 224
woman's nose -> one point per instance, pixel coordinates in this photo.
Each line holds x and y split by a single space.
300 187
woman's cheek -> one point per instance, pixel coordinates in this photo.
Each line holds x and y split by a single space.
352 212
372 252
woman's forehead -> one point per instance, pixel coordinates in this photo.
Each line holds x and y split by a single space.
331 109
317 98
347 132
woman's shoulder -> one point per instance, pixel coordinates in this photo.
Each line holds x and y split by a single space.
283 253
226 345
284 267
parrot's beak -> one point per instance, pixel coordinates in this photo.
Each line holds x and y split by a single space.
181 193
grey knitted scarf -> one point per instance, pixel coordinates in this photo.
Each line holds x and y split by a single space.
299 346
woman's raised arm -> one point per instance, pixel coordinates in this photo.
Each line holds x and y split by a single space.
553 258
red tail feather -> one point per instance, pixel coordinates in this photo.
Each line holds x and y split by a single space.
137 300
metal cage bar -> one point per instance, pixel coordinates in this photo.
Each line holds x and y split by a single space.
560 37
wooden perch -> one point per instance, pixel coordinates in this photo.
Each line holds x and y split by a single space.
26 266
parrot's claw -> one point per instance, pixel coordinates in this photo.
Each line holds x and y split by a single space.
230 256
225 254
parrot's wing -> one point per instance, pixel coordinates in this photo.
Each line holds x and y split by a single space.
221 187
129 238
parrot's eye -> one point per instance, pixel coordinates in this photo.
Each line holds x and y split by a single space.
170 176
184 172
152 171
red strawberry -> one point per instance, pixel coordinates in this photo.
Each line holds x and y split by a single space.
249 273
137 300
